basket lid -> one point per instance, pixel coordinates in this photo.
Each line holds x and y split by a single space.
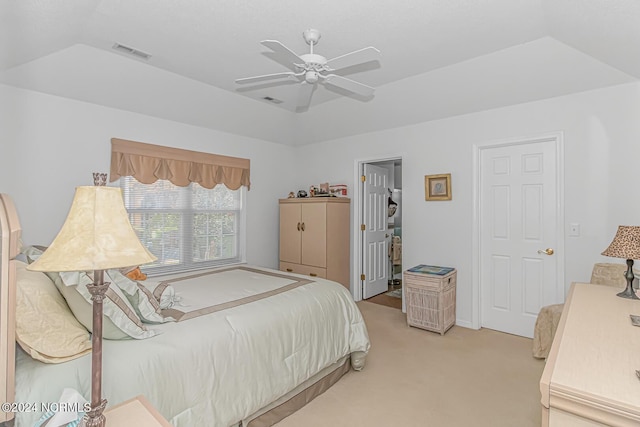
431 269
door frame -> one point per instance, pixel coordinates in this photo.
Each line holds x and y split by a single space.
357 238
558 139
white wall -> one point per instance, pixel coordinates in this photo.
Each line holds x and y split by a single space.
50 145
602 144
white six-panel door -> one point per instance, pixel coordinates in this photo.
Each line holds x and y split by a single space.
376 244
518 234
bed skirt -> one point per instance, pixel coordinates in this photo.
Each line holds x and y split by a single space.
305 392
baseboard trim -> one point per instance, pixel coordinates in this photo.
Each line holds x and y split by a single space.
465 324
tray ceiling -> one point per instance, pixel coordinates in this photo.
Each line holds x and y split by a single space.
439 58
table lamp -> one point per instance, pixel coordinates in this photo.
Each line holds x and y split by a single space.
626 244
96 235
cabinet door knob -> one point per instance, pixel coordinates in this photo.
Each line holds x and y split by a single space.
312 274
303 226
290 270
298 226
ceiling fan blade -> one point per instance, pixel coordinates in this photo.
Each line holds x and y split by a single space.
265 77
356 57
304 96
350 85
284 52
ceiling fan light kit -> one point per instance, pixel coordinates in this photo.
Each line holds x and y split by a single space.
312 68
311 76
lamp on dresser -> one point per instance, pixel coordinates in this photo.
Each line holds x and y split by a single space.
626 245
96 235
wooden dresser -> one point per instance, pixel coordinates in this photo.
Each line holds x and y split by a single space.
314 237
590 375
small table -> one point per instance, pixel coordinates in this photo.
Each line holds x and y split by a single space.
135 412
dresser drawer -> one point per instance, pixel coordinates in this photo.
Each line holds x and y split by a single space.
303 269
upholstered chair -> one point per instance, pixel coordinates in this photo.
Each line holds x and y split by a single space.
611 274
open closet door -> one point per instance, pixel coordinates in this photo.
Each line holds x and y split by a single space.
376 242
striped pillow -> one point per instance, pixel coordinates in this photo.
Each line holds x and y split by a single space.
79 301
141 298
164 293
116 307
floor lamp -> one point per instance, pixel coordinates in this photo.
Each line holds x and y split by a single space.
96 235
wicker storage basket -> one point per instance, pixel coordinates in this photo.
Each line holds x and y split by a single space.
430 300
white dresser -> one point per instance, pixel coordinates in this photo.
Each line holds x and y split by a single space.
590 375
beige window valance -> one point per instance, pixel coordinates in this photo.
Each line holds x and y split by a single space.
148 163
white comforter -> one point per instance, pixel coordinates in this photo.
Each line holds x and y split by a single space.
217 369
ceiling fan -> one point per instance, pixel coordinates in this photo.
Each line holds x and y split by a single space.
311 68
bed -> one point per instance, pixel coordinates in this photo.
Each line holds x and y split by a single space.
264 344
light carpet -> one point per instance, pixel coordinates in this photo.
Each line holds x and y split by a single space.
419 378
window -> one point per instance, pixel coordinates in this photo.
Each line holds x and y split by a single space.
187 228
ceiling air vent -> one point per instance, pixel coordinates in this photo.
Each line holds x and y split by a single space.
273 100
131 51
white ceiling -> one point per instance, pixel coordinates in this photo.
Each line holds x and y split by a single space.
439 57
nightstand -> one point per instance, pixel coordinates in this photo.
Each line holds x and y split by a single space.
135 412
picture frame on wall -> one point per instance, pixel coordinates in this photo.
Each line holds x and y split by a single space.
437 187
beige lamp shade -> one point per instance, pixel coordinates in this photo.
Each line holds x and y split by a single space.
626 243
96 235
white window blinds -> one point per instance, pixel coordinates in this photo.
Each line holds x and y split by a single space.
187 228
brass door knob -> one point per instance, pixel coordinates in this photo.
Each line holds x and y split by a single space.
547 251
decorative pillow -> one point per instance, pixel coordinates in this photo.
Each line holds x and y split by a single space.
115 306
120 320
164 293
45 327
142 300
32 253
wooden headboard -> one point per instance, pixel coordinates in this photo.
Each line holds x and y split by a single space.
9 249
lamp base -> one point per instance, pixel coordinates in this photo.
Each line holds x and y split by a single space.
628 293
95 418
